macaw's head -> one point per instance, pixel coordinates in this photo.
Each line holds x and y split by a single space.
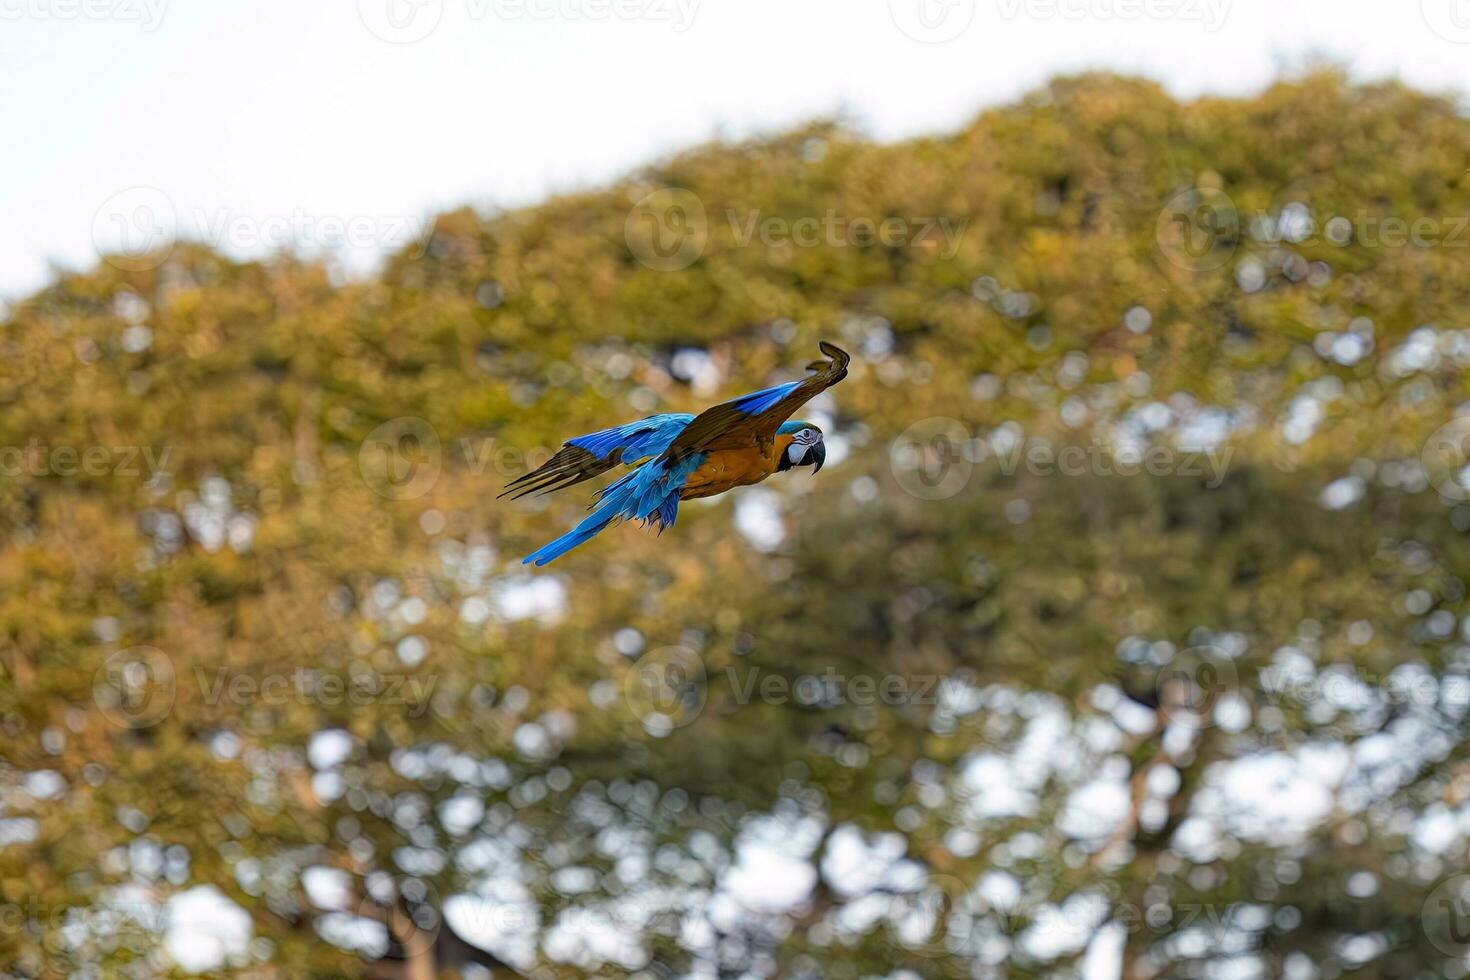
806 449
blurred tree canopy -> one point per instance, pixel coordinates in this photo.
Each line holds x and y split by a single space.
951 708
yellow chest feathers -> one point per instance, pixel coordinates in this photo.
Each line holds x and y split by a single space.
727 468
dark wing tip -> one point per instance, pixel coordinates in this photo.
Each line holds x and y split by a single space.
840 359
571 464
839 356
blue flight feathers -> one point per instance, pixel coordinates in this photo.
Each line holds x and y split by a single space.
637 440
758 401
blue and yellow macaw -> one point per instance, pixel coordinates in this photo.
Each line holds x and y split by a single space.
679 456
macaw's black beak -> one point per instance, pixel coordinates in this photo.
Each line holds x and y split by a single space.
817 455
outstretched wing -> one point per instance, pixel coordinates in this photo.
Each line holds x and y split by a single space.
591 455
754 418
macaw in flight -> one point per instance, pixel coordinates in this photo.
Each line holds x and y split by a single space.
678 456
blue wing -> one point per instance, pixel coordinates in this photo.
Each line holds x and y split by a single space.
591 455
759 401
754 419
637 440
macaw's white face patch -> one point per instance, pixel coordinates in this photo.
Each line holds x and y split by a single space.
801 441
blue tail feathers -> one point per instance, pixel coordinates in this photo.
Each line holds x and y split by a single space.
585 531
649 493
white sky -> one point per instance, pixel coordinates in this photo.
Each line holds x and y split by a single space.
294 110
